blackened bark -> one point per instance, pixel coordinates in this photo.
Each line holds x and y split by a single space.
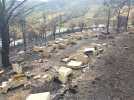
118 22
45 39
108 20
129 8
24 34
54 32
4 31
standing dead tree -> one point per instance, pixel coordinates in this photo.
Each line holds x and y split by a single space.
7 10
81 26
128 13
44 28
107 4
122 11
53 27
72 26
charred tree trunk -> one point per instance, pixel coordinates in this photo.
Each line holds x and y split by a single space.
45 39
4 31
54 32
24 34
108 20
118 22
129 8
54 35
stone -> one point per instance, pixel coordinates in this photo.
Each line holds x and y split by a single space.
78 37
100 50
4 87
37 77
17 80
72 42
1 71
104 44
61 46
21 52
47 77
89 51
58 40
39 96
81 57
38 49
29 74
46 54
75 64
65 60
64 74
17 68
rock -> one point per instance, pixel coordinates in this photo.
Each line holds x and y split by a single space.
37 77
74 64
17 80
38 49
39 96
21 52
72 42
47 77
78 38
89 51
65 60
28 85
13 82
46 54
100 50
104 44
61 46
4 87
58 40
81 57
1 72
17 68
64 74
29 74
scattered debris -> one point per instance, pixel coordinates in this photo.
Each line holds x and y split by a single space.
72 42
39 96
64 74
38 49
17 80
80 57
65 60
17 68
29 74
1 71
4 87
46 54
74 64
61 46
14 82
89 51
21 52
37 77
47 77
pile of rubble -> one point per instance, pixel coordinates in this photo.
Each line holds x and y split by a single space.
16 80
85 56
